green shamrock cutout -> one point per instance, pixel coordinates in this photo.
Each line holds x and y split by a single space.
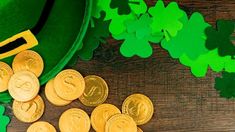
93 37
137 37
200 66
4 120
166 18
212 59
117 25
122 5
226 85
5 97
220 37
190 40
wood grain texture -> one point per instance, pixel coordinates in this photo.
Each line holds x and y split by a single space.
182 102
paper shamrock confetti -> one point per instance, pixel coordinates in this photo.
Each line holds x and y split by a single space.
122 5
5 97
220 38
226 85
4 120
190 41
200 66
166 18
117 25
93 37
137 37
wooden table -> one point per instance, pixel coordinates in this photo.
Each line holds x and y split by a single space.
182 102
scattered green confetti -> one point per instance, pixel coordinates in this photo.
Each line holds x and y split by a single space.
122 5
138 6
4 120
190 41
220 37
226 85
200 66
117 25
94 36
137 37
212 59
166 18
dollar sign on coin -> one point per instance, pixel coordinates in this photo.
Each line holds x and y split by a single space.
101 114
120 123
5 74
96 91
74 120
139 107
28 111
28 60
52 96
23 86
69 84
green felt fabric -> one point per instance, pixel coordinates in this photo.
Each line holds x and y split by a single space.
61 35
18 15
225 85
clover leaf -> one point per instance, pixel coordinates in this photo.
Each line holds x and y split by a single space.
220 38
117 25
190 41
122 5
94 36
199 67
226 85
166 18
212 59
4 120
137 37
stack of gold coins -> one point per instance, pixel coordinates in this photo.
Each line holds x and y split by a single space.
24 86
69 85
137 109
92 91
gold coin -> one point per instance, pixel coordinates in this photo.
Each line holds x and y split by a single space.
139 130
28 111
5 75
139 107
96 91
41 126
52 96
23 86
120 123
28 60
74 120
69 84
101 114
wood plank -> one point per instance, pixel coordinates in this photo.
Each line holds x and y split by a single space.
182 102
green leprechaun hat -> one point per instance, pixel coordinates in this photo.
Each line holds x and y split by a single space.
53 28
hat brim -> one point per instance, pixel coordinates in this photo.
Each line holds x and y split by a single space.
62 35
